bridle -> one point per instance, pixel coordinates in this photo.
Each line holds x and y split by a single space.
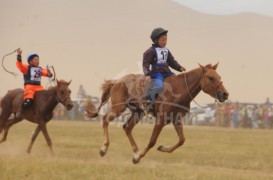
61 100
207 85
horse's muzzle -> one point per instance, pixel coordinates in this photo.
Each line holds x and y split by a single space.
69 106
222 96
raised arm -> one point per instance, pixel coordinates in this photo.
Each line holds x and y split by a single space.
21 66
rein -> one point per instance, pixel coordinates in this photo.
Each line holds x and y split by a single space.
52 79
12 73
185 78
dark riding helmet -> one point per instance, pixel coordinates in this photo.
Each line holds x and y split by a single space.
31 56
157 32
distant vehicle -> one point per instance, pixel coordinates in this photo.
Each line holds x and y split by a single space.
197 116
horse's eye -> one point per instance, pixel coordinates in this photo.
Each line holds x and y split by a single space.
211 78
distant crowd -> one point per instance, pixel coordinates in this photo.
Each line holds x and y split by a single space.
237 114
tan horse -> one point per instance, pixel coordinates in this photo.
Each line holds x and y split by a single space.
40 113
171 105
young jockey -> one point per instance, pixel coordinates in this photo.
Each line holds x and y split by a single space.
32 76
160 58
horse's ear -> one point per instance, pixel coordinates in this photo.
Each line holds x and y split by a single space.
69 82
203 68
215 66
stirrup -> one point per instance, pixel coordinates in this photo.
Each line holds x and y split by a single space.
144 110
146 107
27 104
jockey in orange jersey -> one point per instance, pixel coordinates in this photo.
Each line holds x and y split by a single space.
32 76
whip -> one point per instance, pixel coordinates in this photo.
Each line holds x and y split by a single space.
12 73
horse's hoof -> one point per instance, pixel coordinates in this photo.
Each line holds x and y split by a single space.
135 161
28 151
160 148
102 153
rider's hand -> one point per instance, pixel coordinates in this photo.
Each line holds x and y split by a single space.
19 51
49 74
182 69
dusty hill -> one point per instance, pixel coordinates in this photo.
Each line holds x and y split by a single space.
88 41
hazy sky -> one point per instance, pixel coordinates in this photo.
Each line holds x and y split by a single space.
227 7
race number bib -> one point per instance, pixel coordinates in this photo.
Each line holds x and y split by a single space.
35 73
162 55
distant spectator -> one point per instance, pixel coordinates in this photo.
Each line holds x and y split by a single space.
235 117
227 115
218 115
268 103
81 92
207 114
255 117
249 117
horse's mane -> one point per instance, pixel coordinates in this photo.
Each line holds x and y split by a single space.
60 82
209 66
51 88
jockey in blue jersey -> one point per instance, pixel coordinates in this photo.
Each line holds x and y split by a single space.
159 58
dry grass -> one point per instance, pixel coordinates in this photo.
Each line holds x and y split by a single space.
209 153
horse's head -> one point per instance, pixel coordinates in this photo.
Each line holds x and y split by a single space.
211 83
63 94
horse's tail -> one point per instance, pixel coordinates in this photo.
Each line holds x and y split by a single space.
90 109
4 115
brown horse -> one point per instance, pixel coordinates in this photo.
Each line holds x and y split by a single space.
40 113
127 90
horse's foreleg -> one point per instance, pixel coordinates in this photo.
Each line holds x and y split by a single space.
153 139
48 140
9 123
179 129
37 130
129 125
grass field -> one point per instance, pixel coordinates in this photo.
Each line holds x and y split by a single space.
208 153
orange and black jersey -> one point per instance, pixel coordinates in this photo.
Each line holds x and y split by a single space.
32 74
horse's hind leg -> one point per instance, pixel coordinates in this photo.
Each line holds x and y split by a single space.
37 130
9 123
4 116
116 111
179 130
130 124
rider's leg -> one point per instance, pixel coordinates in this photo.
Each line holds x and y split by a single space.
156 86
